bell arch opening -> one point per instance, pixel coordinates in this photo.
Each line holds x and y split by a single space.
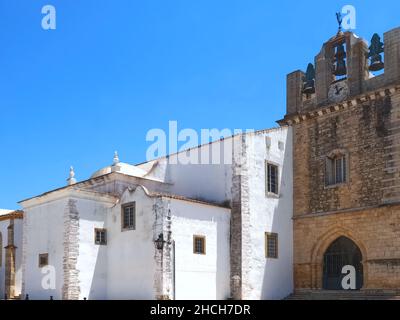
341 252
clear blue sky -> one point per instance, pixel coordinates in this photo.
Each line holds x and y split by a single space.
112 70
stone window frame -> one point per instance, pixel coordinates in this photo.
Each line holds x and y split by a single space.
103 240
123 207
331 156
268 193
41 262
268 254
203 240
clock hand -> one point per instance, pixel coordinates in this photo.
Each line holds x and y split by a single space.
338 90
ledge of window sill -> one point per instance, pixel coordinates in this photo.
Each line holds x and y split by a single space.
337 185
127 229
273 195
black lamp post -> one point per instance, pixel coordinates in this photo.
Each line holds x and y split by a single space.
160 241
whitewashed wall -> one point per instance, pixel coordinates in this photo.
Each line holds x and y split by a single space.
209 182
269 278
92 259
126 267
43 233
131 264
201 276
44 230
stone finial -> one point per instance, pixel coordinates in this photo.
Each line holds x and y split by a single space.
116 166
116 158
71 180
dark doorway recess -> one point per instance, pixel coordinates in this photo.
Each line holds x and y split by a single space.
340 253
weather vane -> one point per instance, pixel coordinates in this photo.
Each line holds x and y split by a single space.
339 19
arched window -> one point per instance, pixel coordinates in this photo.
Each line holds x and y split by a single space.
336 168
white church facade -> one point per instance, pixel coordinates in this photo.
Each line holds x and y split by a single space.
167 230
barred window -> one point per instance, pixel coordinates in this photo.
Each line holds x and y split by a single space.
335 170
100 236
272 178
271 245
199 244
43 260
128 216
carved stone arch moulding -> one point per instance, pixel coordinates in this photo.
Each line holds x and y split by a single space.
322 244
337 153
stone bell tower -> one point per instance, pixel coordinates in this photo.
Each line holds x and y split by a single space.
342 70
345 115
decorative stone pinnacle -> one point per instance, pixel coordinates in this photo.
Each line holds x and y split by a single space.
71 180
116 158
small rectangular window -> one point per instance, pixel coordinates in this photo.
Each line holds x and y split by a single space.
268 143
100 236
199 245
271 245
43 260
128 216
272 178
335 170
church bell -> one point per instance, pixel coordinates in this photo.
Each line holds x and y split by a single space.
309 87
376 66
376 63
340 66
309 80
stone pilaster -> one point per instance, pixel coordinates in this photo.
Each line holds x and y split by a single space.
239 217
392 56
10 262
294 95
71 288
163 257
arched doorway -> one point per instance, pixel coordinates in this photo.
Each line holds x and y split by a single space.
340 253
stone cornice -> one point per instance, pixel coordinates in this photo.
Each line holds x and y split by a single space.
12 215
332 108
343 211
70 192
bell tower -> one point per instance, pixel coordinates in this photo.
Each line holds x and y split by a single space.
345 117
345 68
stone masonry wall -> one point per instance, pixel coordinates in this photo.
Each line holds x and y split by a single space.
366 208
376 231
364 132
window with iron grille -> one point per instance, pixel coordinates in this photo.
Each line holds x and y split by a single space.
272 178
100 236
43 260
199 244
271 245
335 170
128 216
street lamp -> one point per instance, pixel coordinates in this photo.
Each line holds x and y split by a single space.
160 241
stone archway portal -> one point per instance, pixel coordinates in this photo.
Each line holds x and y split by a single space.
340 253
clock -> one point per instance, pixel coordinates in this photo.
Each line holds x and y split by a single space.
338 91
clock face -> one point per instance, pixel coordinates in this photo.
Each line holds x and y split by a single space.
338 91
